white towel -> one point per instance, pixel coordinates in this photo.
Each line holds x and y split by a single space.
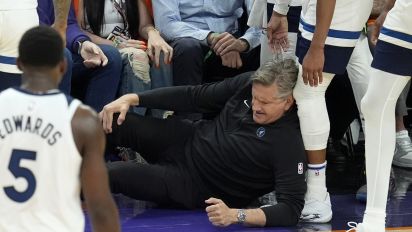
258 17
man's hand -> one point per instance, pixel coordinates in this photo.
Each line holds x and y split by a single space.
313 66
377 26
155 45
121 105
219 213
226 42
277 32
92 54
232 59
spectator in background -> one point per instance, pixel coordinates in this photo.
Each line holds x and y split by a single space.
207 38
96 69
124 24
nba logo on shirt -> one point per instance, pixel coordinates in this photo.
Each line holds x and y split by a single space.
300 168
260 132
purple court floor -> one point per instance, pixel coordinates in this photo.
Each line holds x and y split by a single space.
140 216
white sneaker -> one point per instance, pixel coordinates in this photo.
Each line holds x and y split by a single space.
317 211
403 153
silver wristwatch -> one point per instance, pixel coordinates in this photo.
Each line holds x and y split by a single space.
241 216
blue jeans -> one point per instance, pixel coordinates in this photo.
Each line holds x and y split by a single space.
159 77
98 86
8 80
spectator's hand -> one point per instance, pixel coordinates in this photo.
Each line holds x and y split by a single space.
155 45
226 42
377 27
232 60
136 44
92 54
219 213
277 32
313 66
121 105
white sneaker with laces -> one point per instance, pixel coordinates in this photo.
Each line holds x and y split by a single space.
403 152
317 211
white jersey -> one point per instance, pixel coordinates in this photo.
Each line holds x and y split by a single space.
397 28
39 163
349 18
18 4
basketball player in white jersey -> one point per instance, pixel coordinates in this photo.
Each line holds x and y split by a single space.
16 17
391 71
331 41
50 146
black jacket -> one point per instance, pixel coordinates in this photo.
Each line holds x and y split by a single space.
232 157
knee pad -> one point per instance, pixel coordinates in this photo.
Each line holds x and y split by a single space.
313 114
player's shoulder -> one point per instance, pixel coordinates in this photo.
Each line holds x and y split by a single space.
85 117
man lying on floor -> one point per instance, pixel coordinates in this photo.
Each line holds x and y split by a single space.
252 147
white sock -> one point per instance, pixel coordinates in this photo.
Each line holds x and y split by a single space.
374 217
316 181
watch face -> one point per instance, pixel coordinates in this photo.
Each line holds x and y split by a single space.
241 216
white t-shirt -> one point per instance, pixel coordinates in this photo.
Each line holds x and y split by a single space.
111 19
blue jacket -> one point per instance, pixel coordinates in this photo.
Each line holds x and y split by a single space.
45 10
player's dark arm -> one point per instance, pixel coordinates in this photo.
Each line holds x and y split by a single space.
90 141
378 6
61 12
380 20
389 5
314 60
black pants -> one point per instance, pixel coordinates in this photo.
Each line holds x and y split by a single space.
341 105
166 179
191 68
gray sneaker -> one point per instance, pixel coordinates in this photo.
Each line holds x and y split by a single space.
403 179
403 153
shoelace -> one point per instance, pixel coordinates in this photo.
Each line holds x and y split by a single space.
352 226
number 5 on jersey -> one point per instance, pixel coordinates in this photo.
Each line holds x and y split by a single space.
14 166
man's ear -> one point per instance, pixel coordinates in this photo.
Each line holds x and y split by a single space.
19 64
289 102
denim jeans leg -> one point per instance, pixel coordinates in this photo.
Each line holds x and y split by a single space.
102 82
131 83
